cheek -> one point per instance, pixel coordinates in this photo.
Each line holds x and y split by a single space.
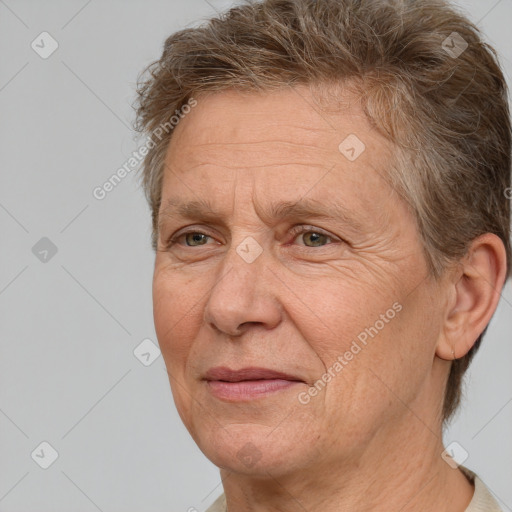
376 343
176 324
342 315
175 312
394 365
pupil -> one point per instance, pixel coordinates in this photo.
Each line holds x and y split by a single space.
196 237
315 237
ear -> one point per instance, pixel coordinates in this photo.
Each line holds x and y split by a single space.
475 291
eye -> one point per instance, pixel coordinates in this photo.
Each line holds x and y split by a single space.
192 239
311 235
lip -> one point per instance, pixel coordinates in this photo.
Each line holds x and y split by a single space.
247 383
249 373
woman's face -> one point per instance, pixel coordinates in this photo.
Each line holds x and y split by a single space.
334 292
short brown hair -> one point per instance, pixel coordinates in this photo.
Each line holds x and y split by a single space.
427 82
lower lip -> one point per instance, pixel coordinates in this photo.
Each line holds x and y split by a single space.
248 389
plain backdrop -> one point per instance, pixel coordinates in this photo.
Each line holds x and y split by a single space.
75 275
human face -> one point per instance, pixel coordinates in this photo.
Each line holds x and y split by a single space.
244 288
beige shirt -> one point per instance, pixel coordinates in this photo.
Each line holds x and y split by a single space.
482 501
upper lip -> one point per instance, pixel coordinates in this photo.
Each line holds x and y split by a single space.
249 373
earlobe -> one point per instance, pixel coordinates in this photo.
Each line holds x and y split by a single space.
475 294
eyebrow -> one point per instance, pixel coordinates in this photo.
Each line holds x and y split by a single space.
304 208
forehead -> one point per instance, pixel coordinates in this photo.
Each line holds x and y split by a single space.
294 117
280 143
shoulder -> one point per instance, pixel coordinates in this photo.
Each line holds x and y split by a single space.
483 500
219 505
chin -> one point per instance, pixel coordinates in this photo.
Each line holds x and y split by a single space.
250 450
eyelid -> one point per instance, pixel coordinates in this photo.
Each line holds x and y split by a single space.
306 228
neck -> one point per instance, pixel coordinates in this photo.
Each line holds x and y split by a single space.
399 469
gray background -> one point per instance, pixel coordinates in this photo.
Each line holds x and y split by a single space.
69 325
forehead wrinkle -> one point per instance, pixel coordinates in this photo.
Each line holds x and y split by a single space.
302 209
213 154
307 208
273 142
174 207
237 167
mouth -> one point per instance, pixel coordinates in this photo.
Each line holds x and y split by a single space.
247 383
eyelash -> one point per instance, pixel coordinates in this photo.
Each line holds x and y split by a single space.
296 231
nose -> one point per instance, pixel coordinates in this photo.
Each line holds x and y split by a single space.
243 295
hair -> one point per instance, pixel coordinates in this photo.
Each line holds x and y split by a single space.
426 80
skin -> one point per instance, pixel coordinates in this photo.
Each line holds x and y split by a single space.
373 434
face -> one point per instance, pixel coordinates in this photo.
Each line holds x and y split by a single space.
283 248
